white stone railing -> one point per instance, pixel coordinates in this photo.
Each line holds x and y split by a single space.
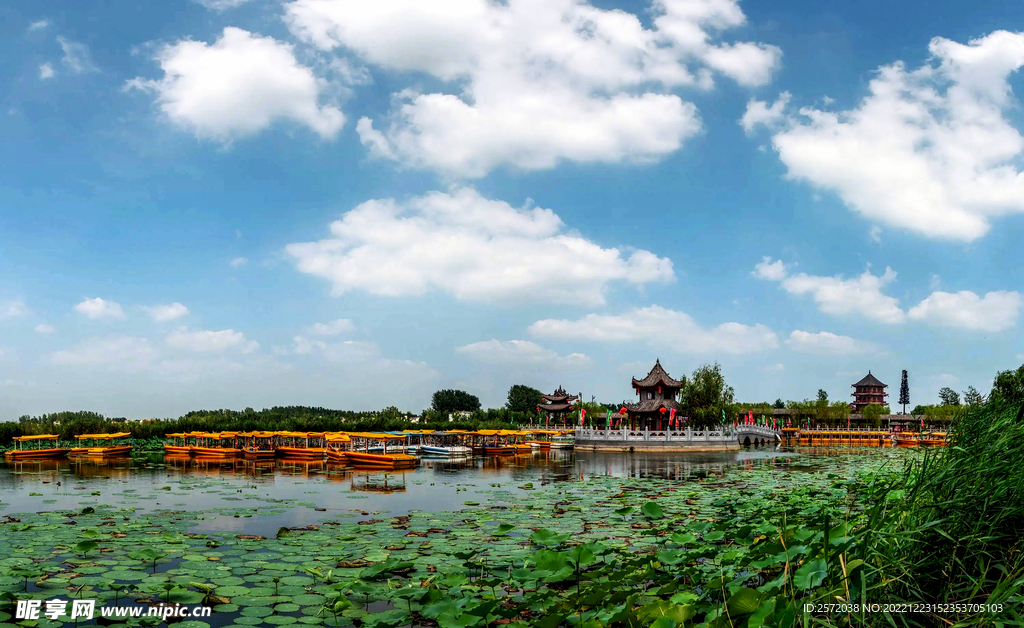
655 436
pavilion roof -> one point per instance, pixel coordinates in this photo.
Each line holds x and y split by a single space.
653 405
559 395
870 380
657 377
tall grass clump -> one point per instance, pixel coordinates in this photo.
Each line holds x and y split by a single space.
952 529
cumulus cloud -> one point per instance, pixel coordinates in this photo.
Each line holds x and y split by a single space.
96 309
164 313
861 295
39 25
77 57
333 328
932 150
237 86
239 261
827 343
769 270
46 71
519 353
994 312
661 327
759 112
202 341
471 247
43 328
530 83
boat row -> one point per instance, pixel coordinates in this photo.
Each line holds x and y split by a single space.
48 446
863 437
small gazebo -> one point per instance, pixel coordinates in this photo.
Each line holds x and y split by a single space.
558 404
657 392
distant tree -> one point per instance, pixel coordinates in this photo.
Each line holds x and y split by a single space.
779 404
447 401
1008 386
706 395
822 395
872 413
949 396
972 397
523 398
919 409
904 391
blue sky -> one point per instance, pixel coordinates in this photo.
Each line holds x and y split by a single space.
236 203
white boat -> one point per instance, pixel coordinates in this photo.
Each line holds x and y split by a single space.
445 450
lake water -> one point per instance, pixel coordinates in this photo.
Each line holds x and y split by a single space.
329 491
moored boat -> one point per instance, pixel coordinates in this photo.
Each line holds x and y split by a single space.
36 447
452 443
906 439
216 444
337 447
101 445
933 439
178 444
564 440
257 445
360 452
304 445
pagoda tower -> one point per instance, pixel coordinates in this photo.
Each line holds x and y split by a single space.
657 394
868 391
558 404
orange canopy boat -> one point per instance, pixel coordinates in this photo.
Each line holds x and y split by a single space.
101 445
36 447
360 454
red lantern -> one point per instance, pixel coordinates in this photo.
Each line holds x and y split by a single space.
663 411
622 410
538 408
659 388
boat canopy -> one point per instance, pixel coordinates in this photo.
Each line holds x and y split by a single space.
103 436
338 438
36 437
257 434
377 435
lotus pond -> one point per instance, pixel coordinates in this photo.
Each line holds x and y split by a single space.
550 540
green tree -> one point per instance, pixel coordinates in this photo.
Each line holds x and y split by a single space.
873 412
822 395
779 404
706 395
1008 386
448 401
949 396
972 397
523 398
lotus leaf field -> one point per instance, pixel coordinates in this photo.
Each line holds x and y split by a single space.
742 548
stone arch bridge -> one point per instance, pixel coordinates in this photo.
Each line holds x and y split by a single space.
756 434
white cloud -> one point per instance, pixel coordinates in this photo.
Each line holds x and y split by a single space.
860 295
769 270
660 327
12 309
210 341
222 5
164 313
928 150
333 328
124 352
39 25
759 112
471 247
76 56
237 86
773 369
46 71
875 234
996 311
530 83
935 282
43 328
827 343
98 308
363 359
239 261
518 353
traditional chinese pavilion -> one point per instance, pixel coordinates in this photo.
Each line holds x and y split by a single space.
657 394
558 404
868 391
